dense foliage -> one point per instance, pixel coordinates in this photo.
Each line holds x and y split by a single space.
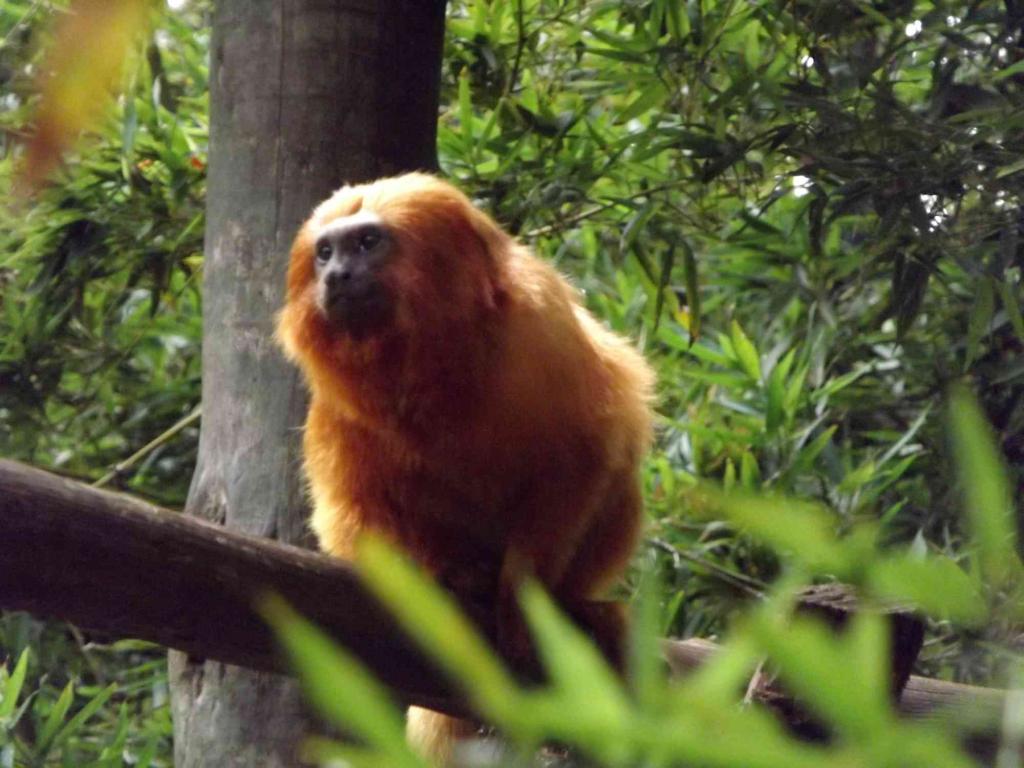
101 318
808 214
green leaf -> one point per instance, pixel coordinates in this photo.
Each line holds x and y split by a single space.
822 669
936 585
909 283
579 672
678 23
866 643
339 686
434 620
114 747
750 473
746 352
54 720
857 478
709 355
651 97
129 129
1010 71
987 497
147 756
692 282
645 675
807 455
74 725
620 42
1008 294
664 277
635 226
981 318
465 110
718 678
795 389
804 531
840 382
1015 167
752 44
729 475
12 686
775 393
478 12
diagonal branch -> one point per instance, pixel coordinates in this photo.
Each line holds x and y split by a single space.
111 563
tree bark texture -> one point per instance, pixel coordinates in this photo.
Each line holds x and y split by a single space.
305 95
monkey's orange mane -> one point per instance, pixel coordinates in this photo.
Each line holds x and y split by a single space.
488 424
448 275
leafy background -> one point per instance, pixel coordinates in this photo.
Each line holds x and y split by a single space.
807 214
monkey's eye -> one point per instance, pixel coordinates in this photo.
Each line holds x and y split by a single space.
368 241
323 253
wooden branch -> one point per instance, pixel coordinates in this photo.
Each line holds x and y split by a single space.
111 563
922 697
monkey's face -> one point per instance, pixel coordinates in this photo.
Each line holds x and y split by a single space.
402 257
350 258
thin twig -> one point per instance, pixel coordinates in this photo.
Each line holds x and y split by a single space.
590 212
759 680
30 11
149 447
745 583
520 46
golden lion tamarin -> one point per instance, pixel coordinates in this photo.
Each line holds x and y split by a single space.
463 403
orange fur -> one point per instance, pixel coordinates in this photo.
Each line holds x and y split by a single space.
493 428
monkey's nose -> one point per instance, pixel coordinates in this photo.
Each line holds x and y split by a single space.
354 302
347 283
338 277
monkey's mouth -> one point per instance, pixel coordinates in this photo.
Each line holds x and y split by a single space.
359 311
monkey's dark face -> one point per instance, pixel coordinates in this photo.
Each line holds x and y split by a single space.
406 258
350 257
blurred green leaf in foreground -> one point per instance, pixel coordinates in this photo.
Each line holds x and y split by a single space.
843 679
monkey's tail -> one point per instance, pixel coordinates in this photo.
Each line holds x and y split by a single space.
433 735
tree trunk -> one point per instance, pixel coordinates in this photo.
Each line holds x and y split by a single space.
304 96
